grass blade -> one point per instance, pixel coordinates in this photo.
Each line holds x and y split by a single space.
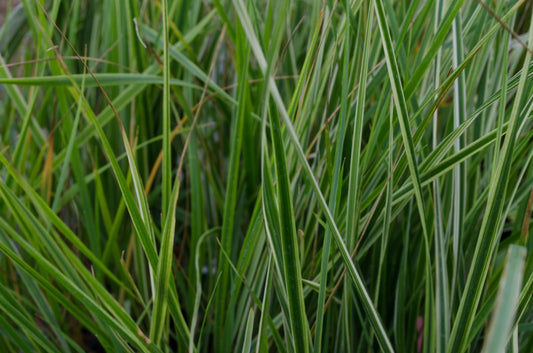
507 302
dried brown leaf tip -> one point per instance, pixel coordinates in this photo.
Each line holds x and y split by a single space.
144 337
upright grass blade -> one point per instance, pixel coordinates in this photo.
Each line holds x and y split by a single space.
289 245
354 181
166 164
262 342
69 150
169 202
164 267
403 119
507 302
247 347
198 289
459 114
223 323
442 302
334 199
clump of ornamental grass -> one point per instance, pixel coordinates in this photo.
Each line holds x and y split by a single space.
266 176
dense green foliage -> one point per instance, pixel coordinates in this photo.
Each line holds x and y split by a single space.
266 176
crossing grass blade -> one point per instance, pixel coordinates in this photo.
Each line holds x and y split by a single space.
105 79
